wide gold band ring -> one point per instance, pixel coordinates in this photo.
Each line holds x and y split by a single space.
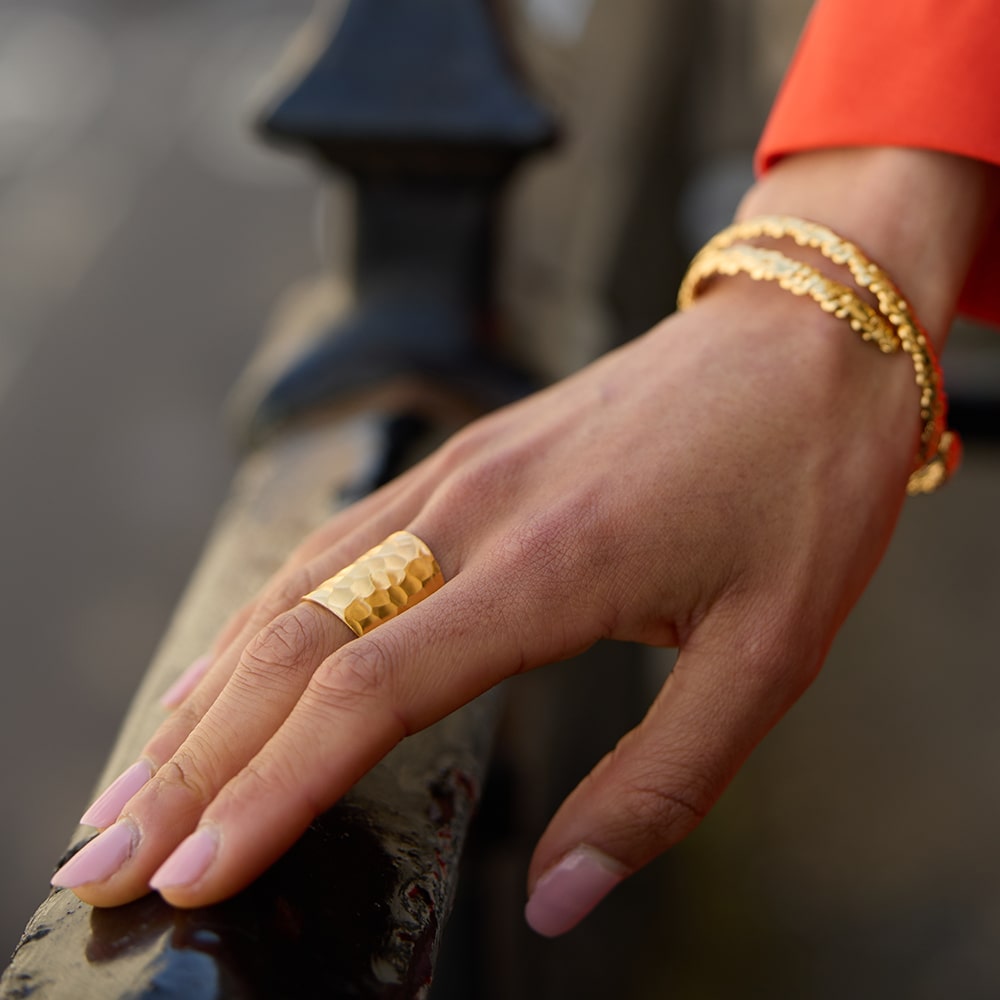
386 581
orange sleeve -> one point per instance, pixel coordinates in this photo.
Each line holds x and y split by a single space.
917 73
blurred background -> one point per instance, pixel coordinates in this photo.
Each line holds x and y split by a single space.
145 238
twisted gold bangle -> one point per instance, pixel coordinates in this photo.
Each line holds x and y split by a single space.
811 234
795 277
940 449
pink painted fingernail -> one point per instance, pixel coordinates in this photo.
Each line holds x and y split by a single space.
106 807
567 892
187 682
101 858
189 862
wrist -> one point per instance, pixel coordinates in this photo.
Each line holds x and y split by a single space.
831 385
918 213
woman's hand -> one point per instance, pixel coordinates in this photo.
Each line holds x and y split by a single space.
725 484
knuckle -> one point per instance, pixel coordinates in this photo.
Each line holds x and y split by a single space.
463 487
658 798
183 771
471 440
262 781
658 810
288 591
354 680
545 539
553 541
778 664
258 781
490 474
305 550
170 736
282 645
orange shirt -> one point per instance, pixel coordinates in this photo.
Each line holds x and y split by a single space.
917 73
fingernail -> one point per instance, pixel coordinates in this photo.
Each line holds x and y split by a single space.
567 892
102 857
106 807
189 862
187 682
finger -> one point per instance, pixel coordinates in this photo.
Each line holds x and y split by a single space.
281 596
360 702
288 581
192 676
271 675
661 779
236 708
105 809
402 493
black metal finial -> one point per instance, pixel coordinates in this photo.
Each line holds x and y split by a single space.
416 100
413 86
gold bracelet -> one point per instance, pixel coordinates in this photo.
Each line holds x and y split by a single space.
940 449
811 234
795 277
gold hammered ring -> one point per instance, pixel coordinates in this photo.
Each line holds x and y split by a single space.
386 581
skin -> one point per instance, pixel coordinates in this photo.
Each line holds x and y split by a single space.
725 484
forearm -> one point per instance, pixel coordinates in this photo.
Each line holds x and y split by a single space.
918 213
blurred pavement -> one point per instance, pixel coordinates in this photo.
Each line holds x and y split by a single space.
144 238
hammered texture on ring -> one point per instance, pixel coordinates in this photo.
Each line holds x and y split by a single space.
384 582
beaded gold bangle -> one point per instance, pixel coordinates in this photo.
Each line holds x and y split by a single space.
940 449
